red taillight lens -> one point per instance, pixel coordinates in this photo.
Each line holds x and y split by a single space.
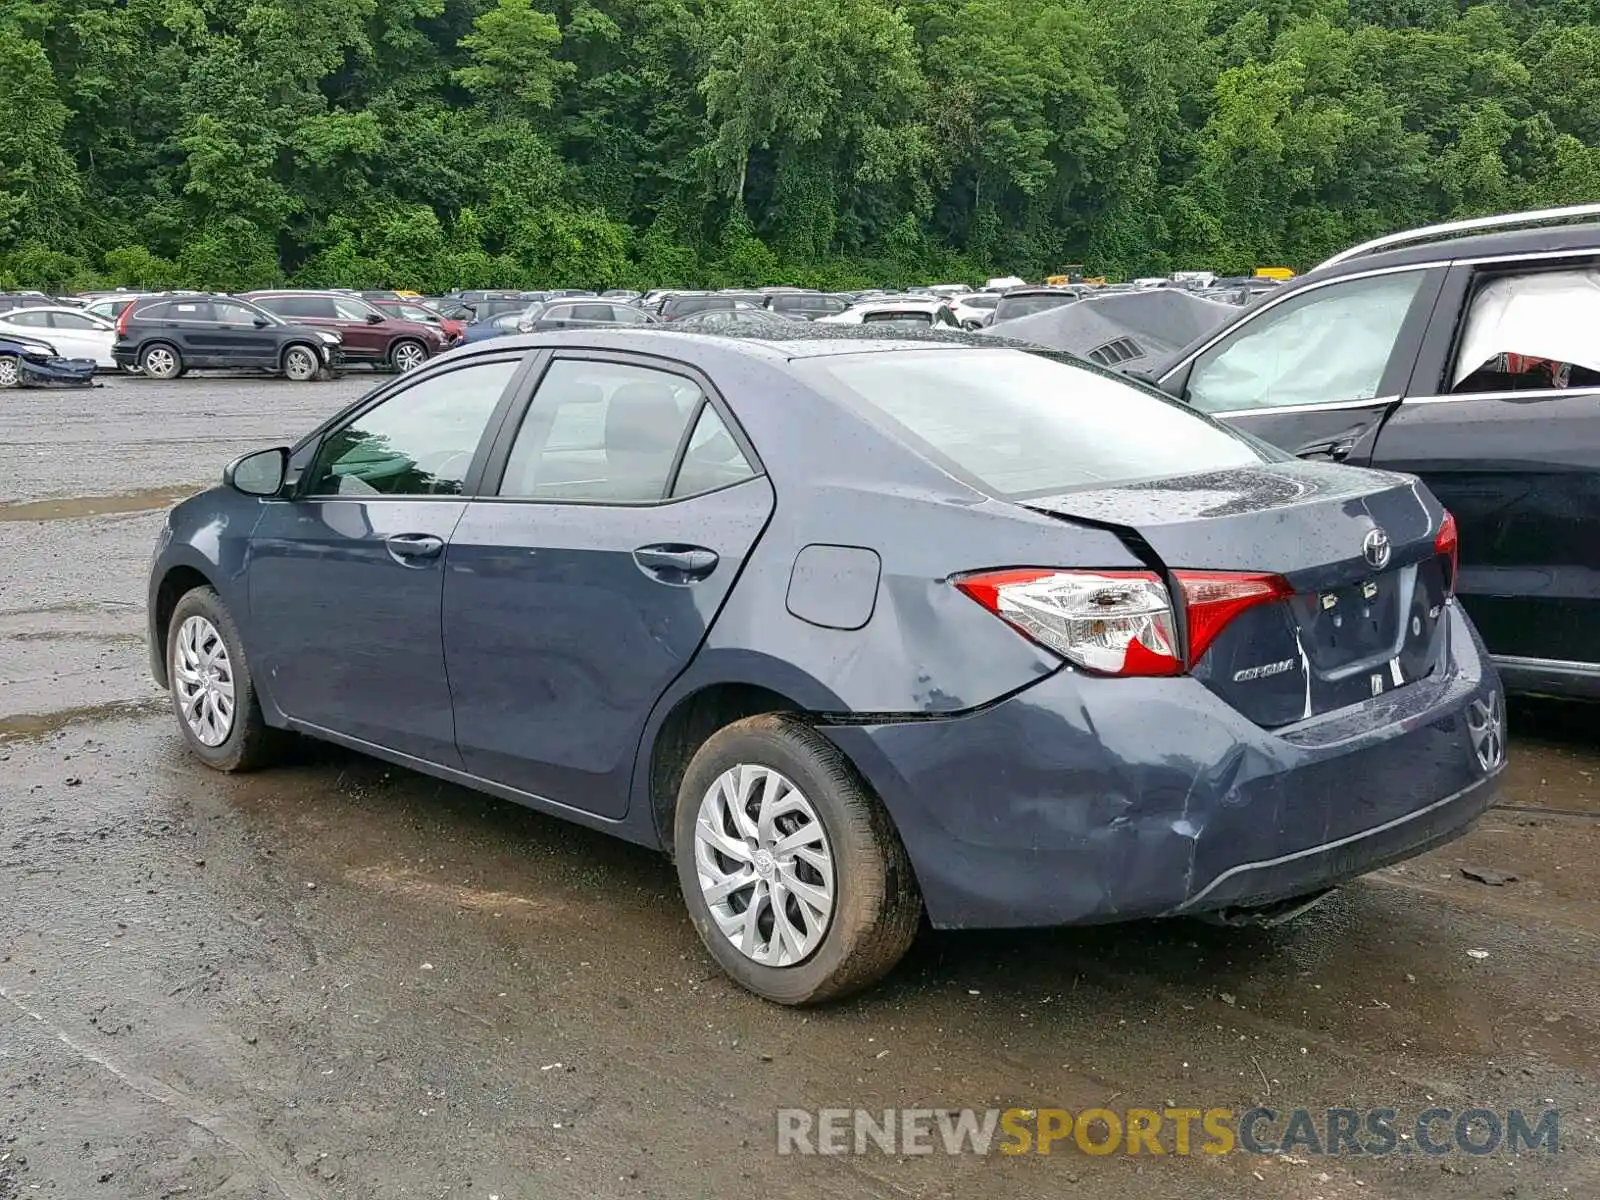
1213 598
1113 622
122 321
1448 545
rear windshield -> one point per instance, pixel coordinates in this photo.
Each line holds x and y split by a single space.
1017 424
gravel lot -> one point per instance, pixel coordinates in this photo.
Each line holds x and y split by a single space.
340 979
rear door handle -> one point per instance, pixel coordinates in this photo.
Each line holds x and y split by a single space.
676 564
412 547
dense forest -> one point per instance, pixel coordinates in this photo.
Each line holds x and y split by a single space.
469 143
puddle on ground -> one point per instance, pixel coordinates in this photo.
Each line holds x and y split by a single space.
27 727
69 508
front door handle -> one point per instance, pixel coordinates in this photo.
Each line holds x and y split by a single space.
1331 451
676 564
413 547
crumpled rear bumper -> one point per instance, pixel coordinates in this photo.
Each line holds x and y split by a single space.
1085 799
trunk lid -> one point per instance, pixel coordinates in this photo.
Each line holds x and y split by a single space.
1356 547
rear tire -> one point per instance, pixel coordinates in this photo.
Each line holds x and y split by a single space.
205 665
826 837
161 361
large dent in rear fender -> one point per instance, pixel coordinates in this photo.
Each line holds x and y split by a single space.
927 649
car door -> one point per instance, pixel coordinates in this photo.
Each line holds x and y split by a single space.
618 510
346 577
240 340
30 323
1317 371
364 338
1503 423
77 335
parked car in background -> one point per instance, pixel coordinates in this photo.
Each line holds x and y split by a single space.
1466 354
1025 302
623 294
165 336
111 307
578 314
974 310
909 312
11 300
725 319
681 304
368 335
73 332
807 306
416 310
787 608
32 362
492 327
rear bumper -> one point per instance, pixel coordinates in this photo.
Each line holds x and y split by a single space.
1082 799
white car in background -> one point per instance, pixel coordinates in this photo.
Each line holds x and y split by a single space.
898 312
975 309
73 332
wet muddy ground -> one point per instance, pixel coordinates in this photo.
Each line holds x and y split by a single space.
340 979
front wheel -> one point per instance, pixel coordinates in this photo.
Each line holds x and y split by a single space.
408 356
300 364
10 371
213 693
793 873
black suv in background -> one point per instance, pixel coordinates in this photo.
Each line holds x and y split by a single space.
164 336
1464 353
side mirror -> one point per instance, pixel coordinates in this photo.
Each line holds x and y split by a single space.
260 473
261 322
375 318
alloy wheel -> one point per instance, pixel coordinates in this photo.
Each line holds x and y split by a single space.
202 675
765 865
408 356
1486 723
9 374
299 364
160 362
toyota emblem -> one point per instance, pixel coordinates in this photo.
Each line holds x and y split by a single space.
1375 549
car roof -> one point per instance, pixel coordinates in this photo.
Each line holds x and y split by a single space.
794 341
1541 239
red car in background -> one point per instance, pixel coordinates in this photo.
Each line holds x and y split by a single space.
370 334
415 310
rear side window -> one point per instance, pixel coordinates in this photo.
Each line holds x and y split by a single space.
903 320
1531 333
1016 424
603 432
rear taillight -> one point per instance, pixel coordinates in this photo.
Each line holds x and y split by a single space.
1214 598
1120 622
122 321
1113 622
1448 546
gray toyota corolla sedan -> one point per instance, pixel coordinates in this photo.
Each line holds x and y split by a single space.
855 628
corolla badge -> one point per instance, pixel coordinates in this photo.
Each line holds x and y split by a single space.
1486 724
1375 549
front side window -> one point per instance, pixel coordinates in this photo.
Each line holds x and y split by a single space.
623 314
349 309
601 432
418 442
1530 333
1327 344
1016 423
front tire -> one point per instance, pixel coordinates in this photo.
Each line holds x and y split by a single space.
10 371
161 361
791 869
407 356
213 694
301 364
